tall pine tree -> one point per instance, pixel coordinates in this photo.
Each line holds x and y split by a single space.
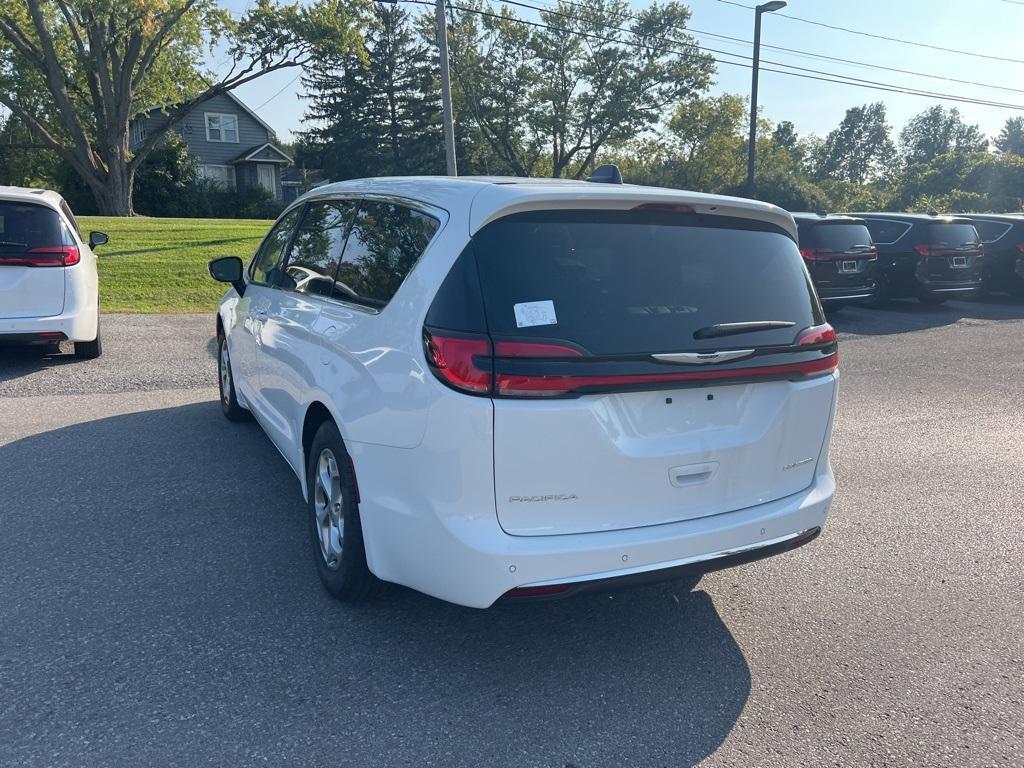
378 115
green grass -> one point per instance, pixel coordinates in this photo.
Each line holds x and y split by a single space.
159 265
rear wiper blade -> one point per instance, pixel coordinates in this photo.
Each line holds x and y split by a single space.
12 244
732 329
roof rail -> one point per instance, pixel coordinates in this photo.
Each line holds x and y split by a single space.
606 174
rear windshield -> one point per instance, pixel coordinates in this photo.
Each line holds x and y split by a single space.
24 226
623 282
834 237
952 235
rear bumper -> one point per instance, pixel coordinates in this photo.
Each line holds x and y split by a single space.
701 564
475 563
78 325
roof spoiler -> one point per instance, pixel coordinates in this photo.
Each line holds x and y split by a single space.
606 174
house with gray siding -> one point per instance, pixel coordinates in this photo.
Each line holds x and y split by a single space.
233 147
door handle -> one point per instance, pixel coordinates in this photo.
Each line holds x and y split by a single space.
692 474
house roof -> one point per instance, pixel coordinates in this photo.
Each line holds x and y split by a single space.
241 105
250 154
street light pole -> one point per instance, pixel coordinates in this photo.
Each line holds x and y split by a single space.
751 147
446 89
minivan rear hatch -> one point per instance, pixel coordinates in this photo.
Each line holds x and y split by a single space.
34 246
647 366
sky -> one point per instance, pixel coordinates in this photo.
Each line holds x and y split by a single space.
990 27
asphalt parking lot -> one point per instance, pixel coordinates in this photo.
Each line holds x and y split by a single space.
158 603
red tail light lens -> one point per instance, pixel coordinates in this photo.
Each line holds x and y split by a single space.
470 364
463 363
545 590
819 334
1020 247
815 254
47 256
924 250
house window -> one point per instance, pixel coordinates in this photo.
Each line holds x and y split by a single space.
137 132
221 127
220 175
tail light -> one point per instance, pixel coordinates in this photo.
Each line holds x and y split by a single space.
46 256
941 250
462 362
471 364
1020 247
826 254
816 254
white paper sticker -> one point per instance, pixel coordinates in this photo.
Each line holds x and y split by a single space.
532 313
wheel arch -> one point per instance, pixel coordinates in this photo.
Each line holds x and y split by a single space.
316 414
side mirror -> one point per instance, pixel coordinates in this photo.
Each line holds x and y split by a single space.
97 238
228 269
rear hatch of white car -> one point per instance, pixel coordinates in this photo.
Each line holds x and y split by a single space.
646 366
35 246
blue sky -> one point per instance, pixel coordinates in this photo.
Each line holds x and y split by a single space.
985 26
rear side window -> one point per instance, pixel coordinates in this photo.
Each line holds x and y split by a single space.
271 250
316 251
638 282
385 242
25 227
835 237
886 232
952 235
990 231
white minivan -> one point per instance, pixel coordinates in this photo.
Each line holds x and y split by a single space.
524 388
49 291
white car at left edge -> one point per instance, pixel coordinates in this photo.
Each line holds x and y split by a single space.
49 289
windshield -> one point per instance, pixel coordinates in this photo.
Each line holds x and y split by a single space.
25 226
952 235
835 237
627 282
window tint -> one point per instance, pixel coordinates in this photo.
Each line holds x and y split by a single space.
835 237
627 282
384 243
24 226
316 250
990 231
272 249
952 235
886 232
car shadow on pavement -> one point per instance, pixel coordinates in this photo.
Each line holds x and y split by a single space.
20 360
906 315
161 606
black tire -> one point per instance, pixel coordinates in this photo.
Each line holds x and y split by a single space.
226 384
90 350
881 297
340 559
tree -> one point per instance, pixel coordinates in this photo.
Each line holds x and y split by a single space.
1011 139
706 143
860 149
938 131
548 98
75 72
378 113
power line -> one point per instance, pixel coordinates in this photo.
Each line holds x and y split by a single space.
279 92
811 54
804 72
882 37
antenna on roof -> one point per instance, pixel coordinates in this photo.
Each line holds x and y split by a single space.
606 174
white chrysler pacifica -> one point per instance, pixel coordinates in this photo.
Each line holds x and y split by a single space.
48 285
528 388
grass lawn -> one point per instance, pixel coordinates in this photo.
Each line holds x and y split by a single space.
159 265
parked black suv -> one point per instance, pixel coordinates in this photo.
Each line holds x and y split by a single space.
927 256
840 257
1003 236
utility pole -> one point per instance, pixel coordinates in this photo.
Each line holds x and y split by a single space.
446 88
751 141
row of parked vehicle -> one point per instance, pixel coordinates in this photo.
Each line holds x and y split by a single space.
872 257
